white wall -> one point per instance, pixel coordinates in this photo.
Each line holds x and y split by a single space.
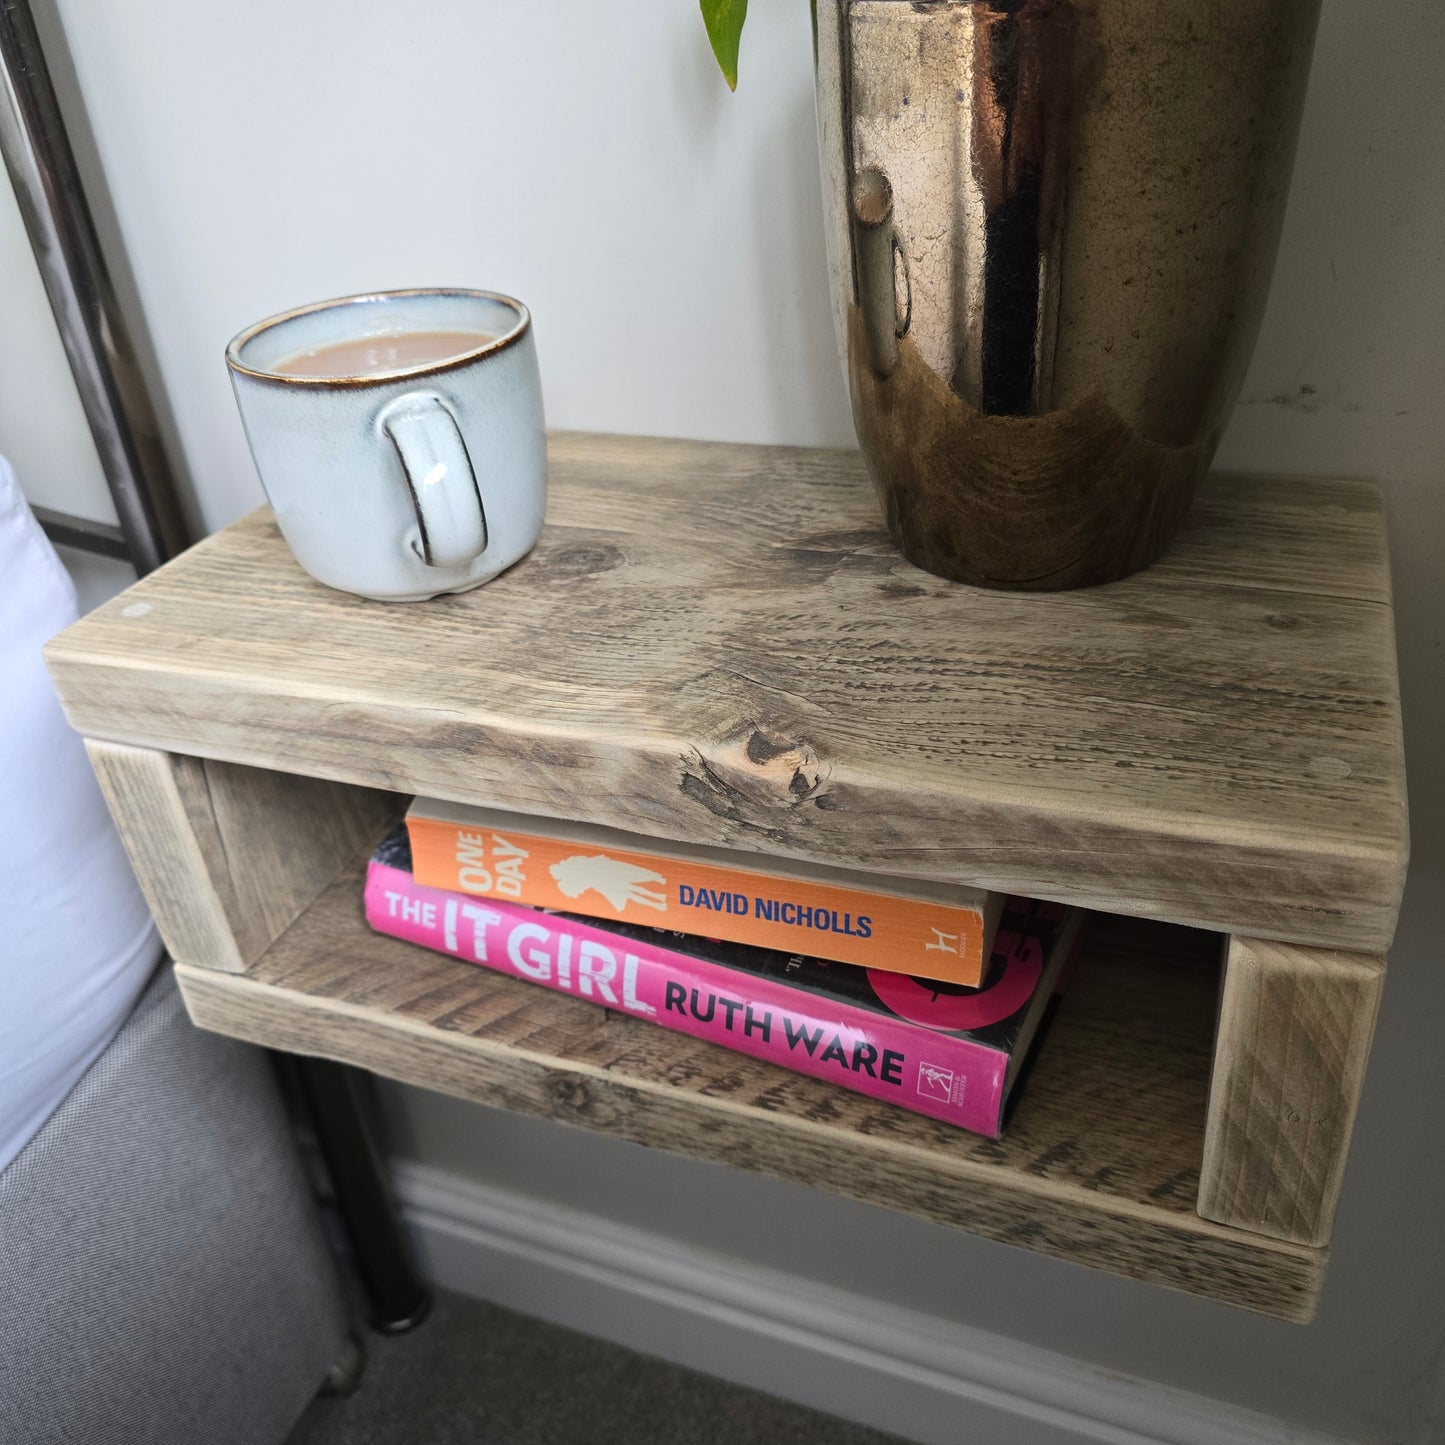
667 236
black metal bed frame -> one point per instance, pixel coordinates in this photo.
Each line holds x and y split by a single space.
60 225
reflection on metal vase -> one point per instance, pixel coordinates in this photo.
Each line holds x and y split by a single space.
1051 227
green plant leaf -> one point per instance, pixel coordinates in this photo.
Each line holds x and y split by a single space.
724 21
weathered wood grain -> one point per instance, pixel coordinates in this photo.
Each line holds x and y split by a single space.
718 643
1294 1036
1099 1165
227 856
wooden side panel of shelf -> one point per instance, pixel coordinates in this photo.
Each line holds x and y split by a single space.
1295 1028
227 856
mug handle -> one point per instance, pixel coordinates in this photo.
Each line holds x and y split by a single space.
444 491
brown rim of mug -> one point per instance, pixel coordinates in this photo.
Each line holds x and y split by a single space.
430 368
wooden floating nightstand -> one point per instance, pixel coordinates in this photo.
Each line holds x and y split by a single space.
716 642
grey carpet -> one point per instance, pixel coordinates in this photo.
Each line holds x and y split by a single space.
163 1275
474 1374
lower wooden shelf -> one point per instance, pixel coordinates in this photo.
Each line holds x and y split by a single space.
1100 1164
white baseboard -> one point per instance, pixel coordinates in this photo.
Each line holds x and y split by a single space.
925 1379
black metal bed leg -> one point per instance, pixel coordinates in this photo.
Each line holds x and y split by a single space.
397 1296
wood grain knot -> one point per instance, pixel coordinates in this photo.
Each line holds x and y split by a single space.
753 774
569 1094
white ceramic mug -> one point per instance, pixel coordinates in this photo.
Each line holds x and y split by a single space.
403 484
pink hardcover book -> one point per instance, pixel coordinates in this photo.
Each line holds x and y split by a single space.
945 1050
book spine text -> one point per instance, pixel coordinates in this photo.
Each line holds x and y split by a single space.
933 1073
741 905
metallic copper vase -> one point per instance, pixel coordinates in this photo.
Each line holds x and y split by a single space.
1051 226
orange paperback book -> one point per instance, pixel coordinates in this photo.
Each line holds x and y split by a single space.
929 930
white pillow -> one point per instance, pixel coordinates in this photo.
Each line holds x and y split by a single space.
76 941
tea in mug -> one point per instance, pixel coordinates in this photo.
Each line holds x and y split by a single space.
377 355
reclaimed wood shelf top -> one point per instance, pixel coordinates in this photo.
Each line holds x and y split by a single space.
1100 1163
718 643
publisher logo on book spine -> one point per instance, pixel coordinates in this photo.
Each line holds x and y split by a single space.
936 1082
